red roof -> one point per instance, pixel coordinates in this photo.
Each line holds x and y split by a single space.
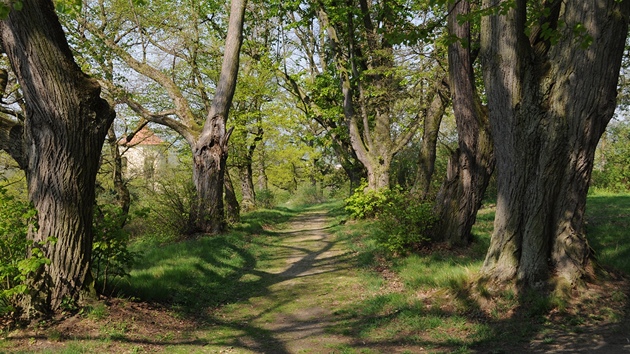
143 137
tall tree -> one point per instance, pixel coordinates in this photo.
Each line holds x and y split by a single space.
60 143
210 150
362 36
472 163
144 39
550 71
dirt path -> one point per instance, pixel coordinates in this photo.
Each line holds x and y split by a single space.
315 277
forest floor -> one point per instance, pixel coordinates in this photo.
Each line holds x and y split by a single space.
300 302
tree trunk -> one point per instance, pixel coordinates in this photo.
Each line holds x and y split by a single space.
233 210
123 197
549 105
210 151
378 174
248 200
262 181
66 123
427 155
472 163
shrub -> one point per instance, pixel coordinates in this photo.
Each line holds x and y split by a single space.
265 199
403 222
111 256
16 217
366 204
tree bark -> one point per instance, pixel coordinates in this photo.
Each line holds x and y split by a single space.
246 177
210 151
123 197
233 210
549 104
428 147
65 126
472 163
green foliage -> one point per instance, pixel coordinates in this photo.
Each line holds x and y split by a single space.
612 162
68 6
111 256
167 207
16 217
265 198
307 194
403 222
366 204
6 6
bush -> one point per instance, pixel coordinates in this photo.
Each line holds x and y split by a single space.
265 199
110 254
16 217
403 222
366 204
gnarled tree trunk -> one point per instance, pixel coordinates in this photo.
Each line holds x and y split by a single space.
549 104
232 210
65 126
472 163
210 151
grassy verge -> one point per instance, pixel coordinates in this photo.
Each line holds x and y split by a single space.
430 299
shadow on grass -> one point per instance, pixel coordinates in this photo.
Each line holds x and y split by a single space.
439 310
195 277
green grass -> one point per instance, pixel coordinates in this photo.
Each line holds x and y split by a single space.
608 225
207 271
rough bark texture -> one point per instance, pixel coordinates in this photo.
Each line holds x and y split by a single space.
431 128
210 151
233 209
549 105
65 126
472 163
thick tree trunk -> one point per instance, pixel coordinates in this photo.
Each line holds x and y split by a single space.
472 164
210 151
233 210
378 174
549 105
209 161
66 123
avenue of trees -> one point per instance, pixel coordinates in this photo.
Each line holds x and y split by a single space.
427 101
